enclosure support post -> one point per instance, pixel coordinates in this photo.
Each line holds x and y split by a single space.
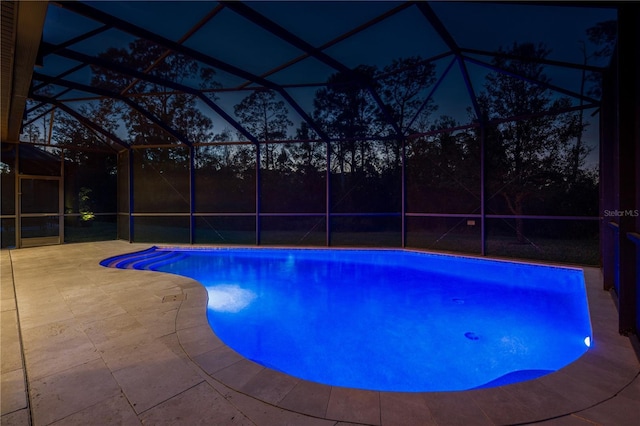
403 195
608 178
328 197
483 234
257 194
192 194
130 155
628 96
61 199
17 198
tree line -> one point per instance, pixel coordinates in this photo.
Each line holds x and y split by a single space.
374 117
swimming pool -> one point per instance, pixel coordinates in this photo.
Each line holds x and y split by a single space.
388 320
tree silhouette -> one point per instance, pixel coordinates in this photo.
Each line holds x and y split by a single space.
603 36
404 85
90 175
69 132
346 112
368 171
443 170
178 111
266 118
308 157
38 131
527 155
158 170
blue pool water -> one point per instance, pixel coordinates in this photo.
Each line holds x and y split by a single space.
388 320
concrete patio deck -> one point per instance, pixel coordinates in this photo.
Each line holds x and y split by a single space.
88 345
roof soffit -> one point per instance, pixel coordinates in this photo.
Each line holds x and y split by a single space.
22 25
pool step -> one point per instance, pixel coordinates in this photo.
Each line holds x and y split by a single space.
122 260
153 263
147 259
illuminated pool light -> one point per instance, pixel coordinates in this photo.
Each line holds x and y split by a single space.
229 298
387 320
